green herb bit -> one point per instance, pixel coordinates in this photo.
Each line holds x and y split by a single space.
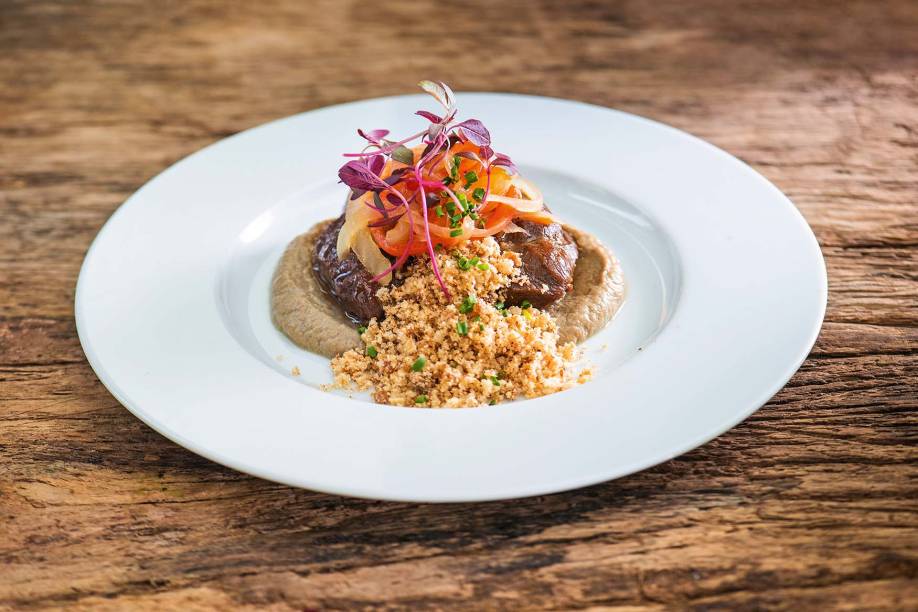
421 399
473 215
474 261
450 207
478 194
438 210
477 318
463 201
495 381
470 178
448 181
372 352
462 328
499 306
455 232
468 304
525 304
492 402
361 330
438 247
418 364
481 327
482 266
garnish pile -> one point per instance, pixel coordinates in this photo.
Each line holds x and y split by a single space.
447 189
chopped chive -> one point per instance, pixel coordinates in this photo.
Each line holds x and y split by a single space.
421 399
450 207
418 364
361 330
470 178
462 328
473 215
474 261
463 201
372 352
525 304
492 402
495 381
448 181
499 305
478 194
438 210
482 266
438 247
455 232
481 327
477 318
467 304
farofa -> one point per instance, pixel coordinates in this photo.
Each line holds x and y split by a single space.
504 354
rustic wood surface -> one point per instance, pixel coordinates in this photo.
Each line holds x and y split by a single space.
809 504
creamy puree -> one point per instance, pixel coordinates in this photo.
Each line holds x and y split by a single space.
314 322
598 293
301 309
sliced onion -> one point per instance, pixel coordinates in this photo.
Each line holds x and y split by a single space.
370 255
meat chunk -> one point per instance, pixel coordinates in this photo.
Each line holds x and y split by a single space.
548 255
346 281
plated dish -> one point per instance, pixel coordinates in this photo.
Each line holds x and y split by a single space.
726 289
446 281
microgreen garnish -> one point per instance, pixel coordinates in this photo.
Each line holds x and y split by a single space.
468 304
418 364
415 179
372 352
462 328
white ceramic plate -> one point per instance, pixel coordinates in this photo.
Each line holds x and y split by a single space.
727 291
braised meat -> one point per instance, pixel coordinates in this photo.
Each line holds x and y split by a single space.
548 255
346 281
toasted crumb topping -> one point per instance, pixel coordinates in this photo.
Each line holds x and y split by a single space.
468 350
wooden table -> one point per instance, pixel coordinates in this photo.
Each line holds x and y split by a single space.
809 504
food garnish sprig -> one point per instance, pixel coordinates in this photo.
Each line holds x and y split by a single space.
400 188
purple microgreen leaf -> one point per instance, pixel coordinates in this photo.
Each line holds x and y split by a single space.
387 221
377 201
441 93
374 136
432 148
429 116
376 164
474 130
404 155
356 193
393 199
502 160
485 152
358 176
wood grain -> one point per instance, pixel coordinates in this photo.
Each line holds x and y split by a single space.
809 504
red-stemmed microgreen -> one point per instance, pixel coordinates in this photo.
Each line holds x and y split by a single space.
414 175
